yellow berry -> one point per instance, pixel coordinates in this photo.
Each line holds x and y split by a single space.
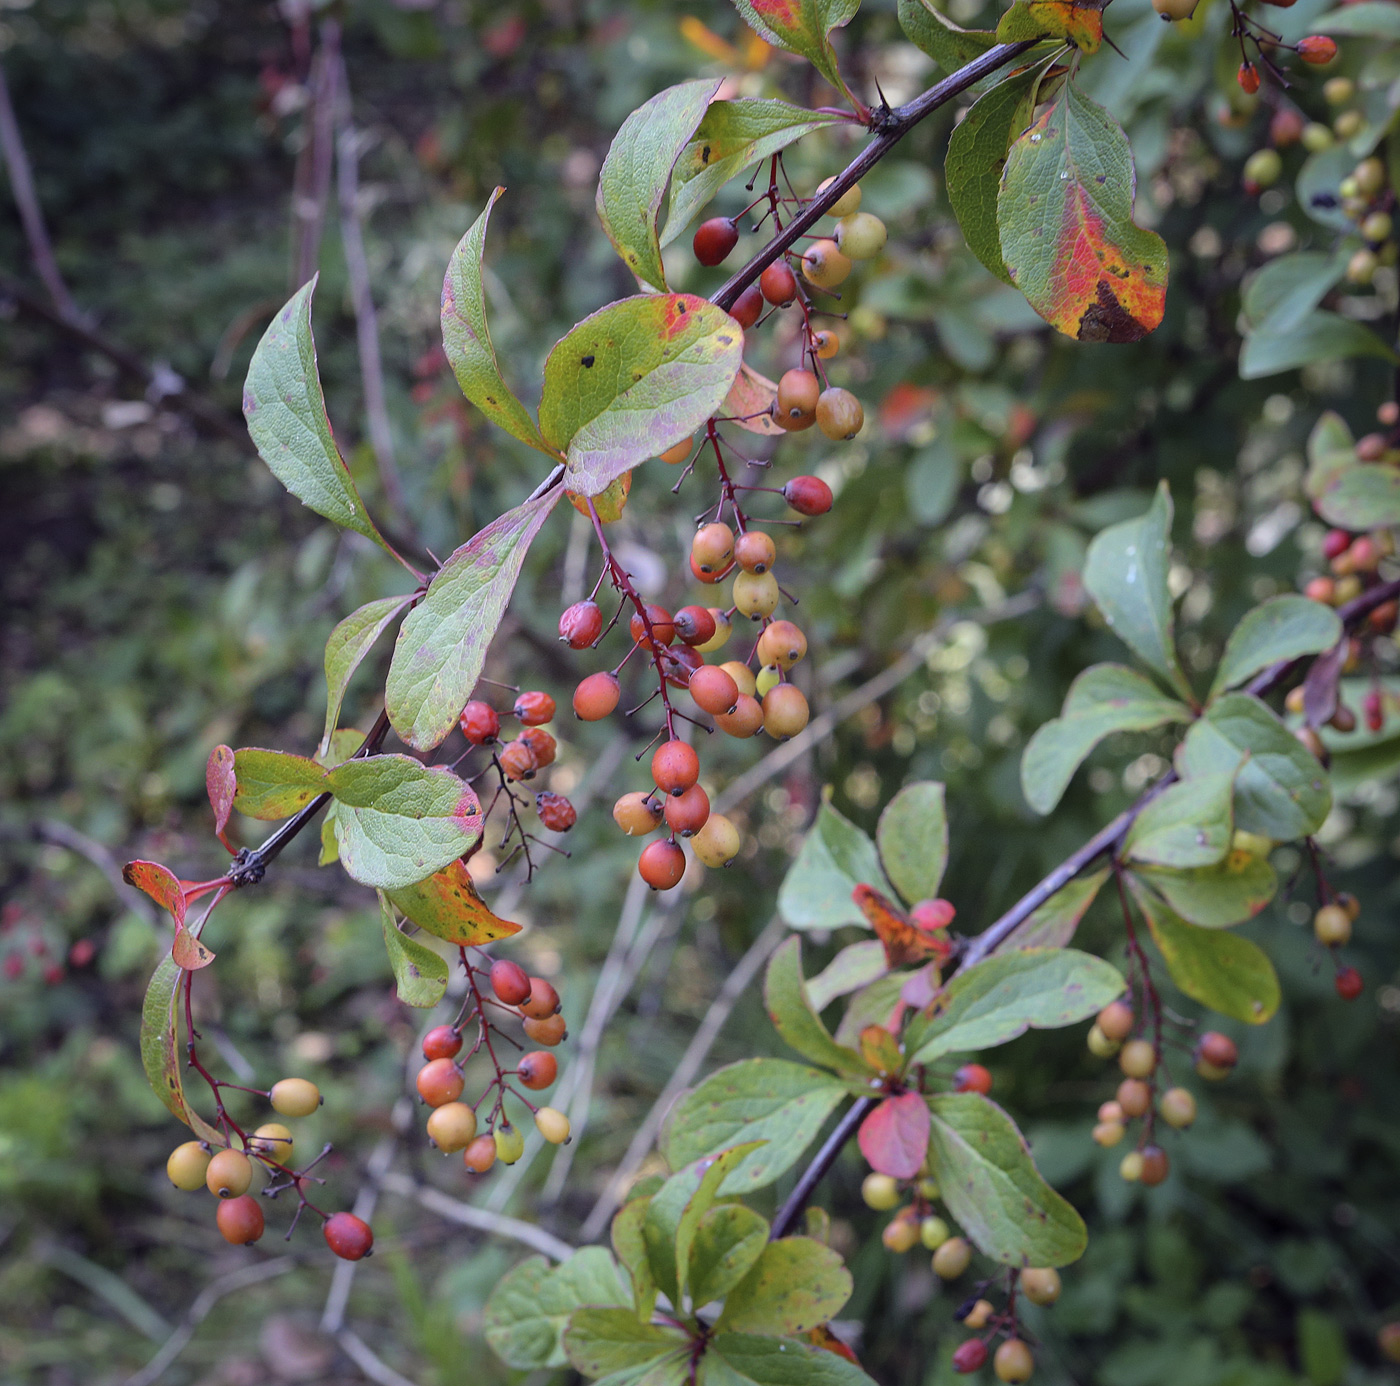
229 1174
273 1140
1040 1286
295 1097
880 1192
717 843
187 1165
848 202
553 1125
452 1126
510 1144
1177 1107
901 1233
1138 1059
952 1258
933 1232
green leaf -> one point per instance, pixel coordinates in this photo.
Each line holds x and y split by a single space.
1213 966
977 151
1104 699
330 843
1054 923
528 1310
746 1359
855 966
286 414
612 1343
1125 572
1065 210
1282 628
442 644
273 784
1008 994
398 821
930 29
836 856
912 840
872 1005
1357 495
801 26
637 168
1370 19
731 137
992 1188
162 1055
630 1247
774 1101
1322 1345
729 1239
1187 825
796 1284
1320 336
446 904
1216 896
1281 791
420 975
349 643
674 1212
467 340
634 379
1287 289
785 995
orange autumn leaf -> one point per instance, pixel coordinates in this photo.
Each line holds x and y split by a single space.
1079 22
905 942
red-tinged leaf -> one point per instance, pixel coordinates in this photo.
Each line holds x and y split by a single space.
894 1137
1067 233
189 953
447 906
749 400
905 941
880 1049
801 26
161 1052
1080 22
162 885
222 785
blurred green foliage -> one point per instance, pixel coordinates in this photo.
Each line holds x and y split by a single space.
162 594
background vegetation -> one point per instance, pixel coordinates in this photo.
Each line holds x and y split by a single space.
162 594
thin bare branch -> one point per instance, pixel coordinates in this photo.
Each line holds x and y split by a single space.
368 1361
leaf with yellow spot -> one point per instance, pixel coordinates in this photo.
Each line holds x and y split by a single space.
447 905
1075 21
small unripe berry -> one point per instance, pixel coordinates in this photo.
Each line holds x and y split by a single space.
1218 1050
637 814
880 1192
1317 49
552 1030
785 712
678 452
510 1143
756 595
348 1236
724 628
694 625
742 675
778 284
537 1069
580 625
1100 1046
798 392
480 1155
187 1166
1377 227
439 1082
713 689
542 1002
1013 1361
746 719
510 982
972 1078
674 767
717 843
712 548
1332 926
1316 137
1349 983
1337 91
687 813
748 307
1116 1020
952 1258
825 344
979 1315
1362 267
517 760
273 1140
1130 1167
1040 1286
556 812
769 677
597 696
1263 168
901 1233
848 202
970 1356
452 1127
1108 1133
661 865
933 1232
714 239
839 414
240 1220
754 551
1178 1107
1111 1111
1134 1097
442 1042
229 1174
294 1097
553 1125
825 264
534 708
1155 1165
480 723
1138 1059
808 495
861 235
782 643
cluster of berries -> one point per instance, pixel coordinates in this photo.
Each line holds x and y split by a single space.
1332 929
228 1174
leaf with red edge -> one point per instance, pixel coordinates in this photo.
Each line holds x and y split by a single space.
160 883
801 26
1067 233
189 953
447 906
222 785
894 1137
1079 22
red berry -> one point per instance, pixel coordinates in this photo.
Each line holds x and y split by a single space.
581 625
972 1078
1218 1050
1373 705
1248 78
240 1219
542 1002
686 813
441 1042
1349 984
542 745
674 767
509 981
534 709
1337 542
440 1081
550 1030
748 307
713 689
556 812
348 1236
480 1155
694 624
517 760
714 239
778 284
663 629
808 495
479 723
661 865
1317 49
1155 1165
679 665
970 1356
537 1069
933 914
596 696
